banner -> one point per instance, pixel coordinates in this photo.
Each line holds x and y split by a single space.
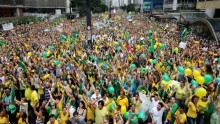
7 26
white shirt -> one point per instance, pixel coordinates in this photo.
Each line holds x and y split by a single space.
157 115
154 103
94 97
3 79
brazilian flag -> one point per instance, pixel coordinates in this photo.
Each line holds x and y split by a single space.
104 65
184 33
22 65
12 106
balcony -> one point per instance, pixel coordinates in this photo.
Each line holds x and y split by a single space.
208 4
11 2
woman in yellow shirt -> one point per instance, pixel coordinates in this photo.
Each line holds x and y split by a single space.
137 102
89 108
181 93
203 105
192 110
22 118
4 119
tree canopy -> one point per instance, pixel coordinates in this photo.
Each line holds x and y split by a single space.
96 6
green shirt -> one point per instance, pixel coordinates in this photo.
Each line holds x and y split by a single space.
56 114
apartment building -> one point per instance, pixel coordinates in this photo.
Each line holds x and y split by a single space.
10 8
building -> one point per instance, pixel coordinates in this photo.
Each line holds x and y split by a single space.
211 7
147 5
179 4
10 8
152 4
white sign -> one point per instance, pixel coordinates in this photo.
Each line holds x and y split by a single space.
8 26
182 45
58 12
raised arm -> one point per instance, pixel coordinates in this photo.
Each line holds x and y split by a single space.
165 106
51 97
46 106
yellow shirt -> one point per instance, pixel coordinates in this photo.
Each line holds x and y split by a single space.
63 117
100 114
155 85
34 98
180 92
122 102
202 106
27 93
46 76
4 120
181 117
40 90
192 112
159 66
55 122
136 104
20 121
90 113
108 106
60 105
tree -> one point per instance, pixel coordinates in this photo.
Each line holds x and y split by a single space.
131 8
96 6
79 5
104 7
128 8
124 8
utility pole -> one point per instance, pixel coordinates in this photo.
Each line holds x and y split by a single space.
88 20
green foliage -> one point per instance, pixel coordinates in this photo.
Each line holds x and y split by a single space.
131 8
128 8
96 6
97 10
24 20
124 8
104 7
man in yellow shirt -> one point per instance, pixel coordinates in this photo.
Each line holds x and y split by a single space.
122 100
101 112
180 116
52 120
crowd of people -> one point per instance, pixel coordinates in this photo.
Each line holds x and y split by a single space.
134 70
